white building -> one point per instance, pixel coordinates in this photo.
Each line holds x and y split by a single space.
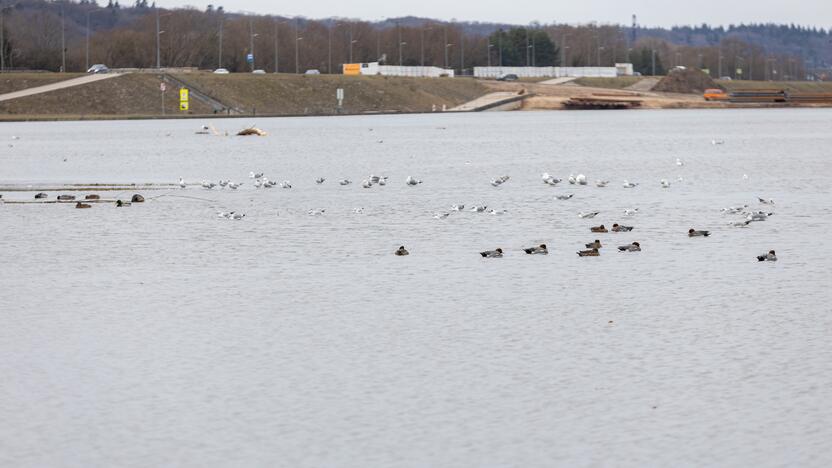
374 68
620 69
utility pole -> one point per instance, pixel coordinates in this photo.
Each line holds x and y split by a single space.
563 51
653 59
488 49
528 62
158 53
251 40
63 40
352 41
219 52
500 46
2 38
329 49
297 47
461 50
445 35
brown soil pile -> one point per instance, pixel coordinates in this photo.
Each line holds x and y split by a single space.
688 81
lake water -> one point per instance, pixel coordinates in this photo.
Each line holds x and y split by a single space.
159 335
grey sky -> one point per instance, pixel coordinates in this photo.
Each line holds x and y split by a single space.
650 12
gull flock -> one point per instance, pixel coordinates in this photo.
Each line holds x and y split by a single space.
593 249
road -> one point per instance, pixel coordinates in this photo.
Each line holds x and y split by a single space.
56 86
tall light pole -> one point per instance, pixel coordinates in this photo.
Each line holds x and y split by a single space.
252 35
399 31
500 47
3 39
277 44
563 50
63 40
653 60
600 48
461 50
329 46
158 33
445 36
297 46
219 52
422 43
352 42
490 45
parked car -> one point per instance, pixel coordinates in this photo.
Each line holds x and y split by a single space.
507 77
259 72
725 78
98 68
312 72
220 71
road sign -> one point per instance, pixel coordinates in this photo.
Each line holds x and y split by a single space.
339 94
250 58
163 87
184 100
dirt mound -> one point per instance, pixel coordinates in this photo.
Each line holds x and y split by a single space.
687 81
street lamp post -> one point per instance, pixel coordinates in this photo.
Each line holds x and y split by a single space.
277 44
461 50
297 47
352 42
490 45
422 43
3 39
252 35
63 40
159 33
219 52
600 48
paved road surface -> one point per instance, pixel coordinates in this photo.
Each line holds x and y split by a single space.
56 86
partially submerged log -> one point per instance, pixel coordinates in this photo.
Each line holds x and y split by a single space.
251 131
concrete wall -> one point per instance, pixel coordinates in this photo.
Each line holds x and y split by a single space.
546 72
374 68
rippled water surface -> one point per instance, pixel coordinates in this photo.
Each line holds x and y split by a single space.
160 335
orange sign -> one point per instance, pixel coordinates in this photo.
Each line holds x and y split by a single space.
352 68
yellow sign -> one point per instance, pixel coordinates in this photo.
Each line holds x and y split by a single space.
352 69
183 99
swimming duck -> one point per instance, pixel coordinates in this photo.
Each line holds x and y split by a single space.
497 212
631 212
234 185
601 183
182 183
478 209
679 162
401 252
83 205
589 215
457 207
225 214
695 233
320 180
572 179
66 197
92 197
412 181
564 197
238 216
252 175
40 195
539 250
665 183
589 253
634 247
441 215
223 183
594 245
345 182
769 257
600 228
548 179
318 212
499 181
120 203
766 202
367 184
492 253
580 179
383 181
618 228
286 184
137 198
258 183
629 184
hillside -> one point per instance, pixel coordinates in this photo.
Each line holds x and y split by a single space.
138 95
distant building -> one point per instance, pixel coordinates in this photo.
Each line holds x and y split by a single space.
374 68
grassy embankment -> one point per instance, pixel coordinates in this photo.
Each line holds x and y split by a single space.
138 96
11 82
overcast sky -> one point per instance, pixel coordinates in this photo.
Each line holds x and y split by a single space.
650 12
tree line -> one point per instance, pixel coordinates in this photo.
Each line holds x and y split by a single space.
50 35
